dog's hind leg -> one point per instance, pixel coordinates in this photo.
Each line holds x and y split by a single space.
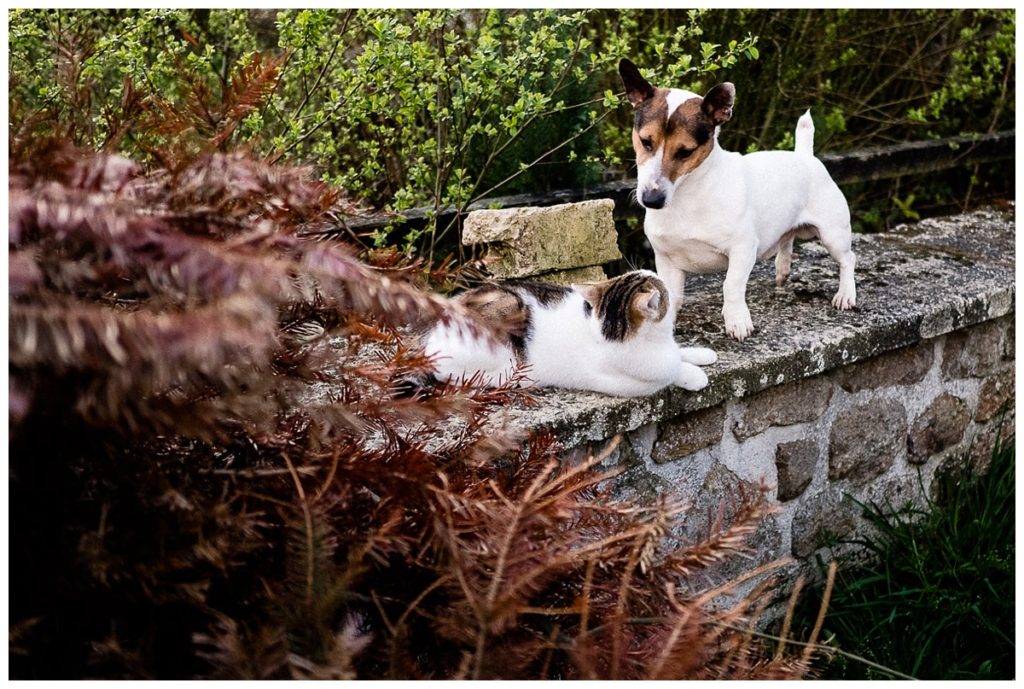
838 243
784 260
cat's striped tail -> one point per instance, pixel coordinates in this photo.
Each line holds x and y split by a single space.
805 134
419 386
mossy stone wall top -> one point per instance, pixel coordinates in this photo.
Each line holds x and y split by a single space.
917 282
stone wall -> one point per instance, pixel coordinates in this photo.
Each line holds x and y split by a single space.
828 408
875 431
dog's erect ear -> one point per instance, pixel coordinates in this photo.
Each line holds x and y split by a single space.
717 104
637 88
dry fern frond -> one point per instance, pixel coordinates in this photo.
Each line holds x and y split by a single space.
232 654
723 540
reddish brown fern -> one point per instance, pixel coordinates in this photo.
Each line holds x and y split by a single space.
211 476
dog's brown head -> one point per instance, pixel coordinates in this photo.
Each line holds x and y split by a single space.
673 131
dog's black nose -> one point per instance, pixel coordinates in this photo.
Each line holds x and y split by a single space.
653 199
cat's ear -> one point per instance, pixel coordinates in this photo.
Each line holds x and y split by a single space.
649 304
591 292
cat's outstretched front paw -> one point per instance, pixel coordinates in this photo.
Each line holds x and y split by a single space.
692 378
698 356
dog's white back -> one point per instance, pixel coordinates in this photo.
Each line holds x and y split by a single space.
771 192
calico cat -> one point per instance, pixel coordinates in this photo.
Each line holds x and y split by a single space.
613 337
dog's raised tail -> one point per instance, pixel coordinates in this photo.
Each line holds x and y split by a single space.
805 134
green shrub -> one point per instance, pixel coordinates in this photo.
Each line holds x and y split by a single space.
401 108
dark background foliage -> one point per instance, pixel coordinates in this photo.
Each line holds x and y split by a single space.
443 107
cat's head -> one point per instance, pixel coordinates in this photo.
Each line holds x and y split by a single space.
624 306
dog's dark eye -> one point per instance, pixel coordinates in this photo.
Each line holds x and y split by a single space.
647 144
683 153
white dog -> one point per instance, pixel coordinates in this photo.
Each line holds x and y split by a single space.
710 210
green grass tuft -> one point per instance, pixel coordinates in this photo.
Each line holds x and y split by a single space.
936 598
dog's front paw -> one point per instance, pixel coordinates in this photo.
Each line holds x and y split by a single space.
692 378
699 356
845 299
737 321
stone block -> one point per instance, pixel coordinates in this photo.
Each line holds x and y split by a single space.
828 515
523 242
974 352
995 391
785 405
795 462
954 467
685 435
896 491
939 426
1009 338
637 483
571 277
719 498
902 367
1000 429
865 440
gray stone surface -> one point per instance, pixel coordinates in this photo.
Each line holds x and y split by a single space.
1000 429
905 292
994 393
714 510
784 406
1009 340
865 440
795 462
691 432
829 515
523 242
977 353
896 491
904 366
939 426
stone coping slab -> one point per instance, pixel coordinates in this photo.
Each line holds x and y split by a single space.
917 282
527 242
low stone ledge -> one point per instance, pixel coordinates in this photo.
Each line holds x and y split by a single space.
914 283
